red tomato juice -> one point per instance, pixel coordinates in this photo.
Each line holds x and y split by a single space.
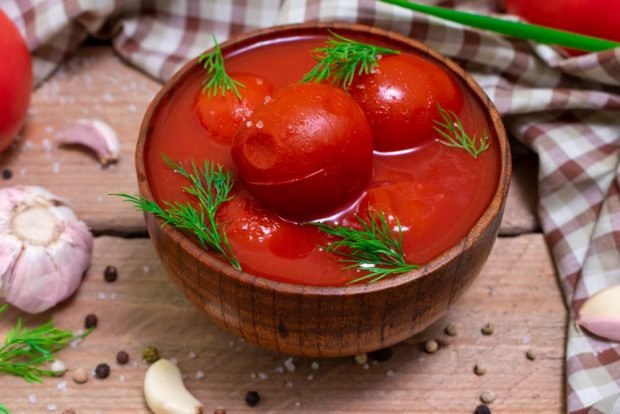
436 192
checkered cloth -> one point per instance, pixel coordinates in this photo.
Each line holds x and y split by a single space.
566 110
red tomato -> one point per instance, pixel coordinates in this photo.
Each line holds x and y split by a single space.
400 100
600 18
221 115
15 81
305 153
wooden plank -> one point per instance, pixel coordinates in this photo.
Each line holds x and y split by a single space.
97 84
517 292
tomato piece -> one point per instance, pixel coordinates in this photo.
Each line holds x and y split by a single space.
15 81
400 100
305 153
221 115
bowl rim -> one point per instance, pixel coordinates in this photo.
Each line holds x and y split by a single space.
494 208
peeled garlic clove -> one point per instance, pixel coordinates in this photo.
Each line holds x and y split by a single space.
165 392
44 248
94 134
601 314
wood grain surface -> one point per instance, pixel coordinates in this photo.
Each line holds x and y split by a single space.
517 292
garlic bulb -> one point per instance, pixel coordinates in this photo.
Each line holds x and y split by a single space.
44 248
601 313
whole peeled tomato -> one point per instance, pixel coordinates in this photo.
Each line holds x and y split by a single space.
305 153
400 99
599 18
221 115
15 81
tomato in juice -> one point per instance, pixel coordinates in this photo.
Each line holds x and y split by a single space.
437 193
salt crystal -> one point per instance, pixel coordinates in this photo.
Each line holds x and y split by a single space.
121 378
75 343
389 373
99 199
259 124
102 296
310 377
267 100
248 124
525 339
62 385
231 344
262 376
253 375
47 145
289 384
51 407
259 81
113 296
56 167
174 361
132 108
49 129
108 97
192 355
289 365
134 364
366 366
315 365
32 398
200 374
279 370
22 171
297 404
145 268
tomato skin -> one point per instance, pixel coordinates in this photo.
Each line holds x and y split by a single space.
15 81
221 115
306 153
400 100
600 18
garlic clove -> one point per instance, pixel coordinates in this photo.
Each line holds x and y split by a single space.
44 248
601 314
165 392
93 134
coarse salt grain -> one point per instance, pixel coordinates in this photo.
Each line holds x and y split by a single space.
262 376
366 366
389 373
51 407
200 374
253 375
231 344
267 100
62 385
279 370
102 296
310 377
145 269
32 398
113 296
315 365
192 355
297 404
248 124
56 167
99 199
174 361
259 124
289 365
134 364
289 384
121 378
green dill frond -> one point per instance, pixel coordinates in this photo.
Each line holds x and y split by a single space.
217 80
375 249
211 186
453 134
342 58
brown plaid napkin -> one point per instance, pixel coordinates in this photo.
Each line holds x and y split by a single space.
567 110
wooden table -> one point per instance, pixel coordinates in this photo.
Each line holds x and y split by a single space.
517 292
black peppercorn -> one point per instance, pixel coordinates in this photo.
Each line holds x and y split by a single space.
7 174
90 321
252 398
381 355
122 357
102 371
482 409
110 274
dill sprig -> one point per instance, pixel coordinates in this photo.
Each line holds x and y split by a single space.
341 59
375 249
453 134
211 186
217 79
25 350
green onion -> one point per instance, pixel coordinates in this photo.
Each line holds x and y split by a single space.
540 34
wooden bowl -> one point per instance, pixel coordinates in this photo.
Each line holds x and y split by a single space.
326 321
